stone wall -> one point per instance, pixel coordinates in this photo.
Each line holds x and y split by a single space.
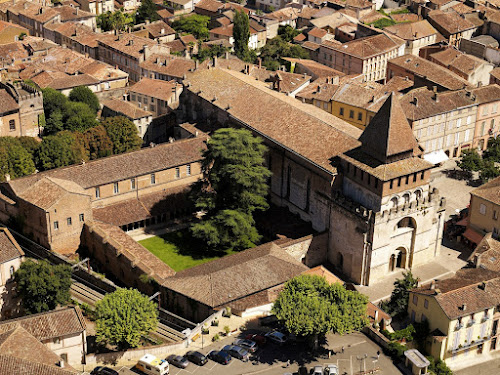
311 250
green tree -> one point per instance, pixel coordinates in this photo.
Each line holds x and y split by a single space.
488 171
123 133
438 367
97 143
54 123
53 101
492 151
43 286
15 160
79 117
277 48
310 306
124 316
398 303
30 144
233 187
470 161
117 20
287 33
147 11
85 95
213 50
195 24
58 150
241 35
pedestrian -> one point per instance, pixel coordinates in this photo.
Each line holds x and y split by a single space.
329 353
288 363
343 348
378 354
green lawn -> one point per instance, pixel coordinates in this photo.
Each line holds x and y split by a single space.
179 251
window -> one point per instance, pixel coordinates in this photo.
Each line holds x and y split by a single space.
424 318
56 225
459 122
82 217
466 136
426 303
415 299
391 184
495 215
469 120
69 221
177 172
351 113
360 116
188 170
341 111
97 192
482 209
132 183
11 271
12 125
153 179
116 189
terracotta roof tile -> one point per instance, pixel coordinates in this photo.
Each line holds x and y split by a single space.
459 61
367 47
173 67
155 88
7 102
125 108
487 254
450 22
412 30
14 365
318 70
317 32
489 191
209 5
9 248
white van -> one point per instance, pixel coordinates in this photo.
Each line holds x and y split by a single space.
151 365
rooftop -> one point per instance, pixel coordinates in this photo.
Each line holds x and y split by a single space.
412 30
487 254
9 248
367 47
459 61
155 88
318 70
489 191
450 22
125 108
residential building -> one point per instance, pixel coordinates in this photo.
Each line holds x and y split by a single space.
158 30
488 115
312 68
166 67
475 70
226 32
61 331
452 26
318 36
484 210
284 16
128 51
486 255
495 76
21 110
319 93
75 36
479 46
10 32
463 316
178 7
140 117
128 5
11 257
367 56
97 6
415 34
58 202
424 73
154 95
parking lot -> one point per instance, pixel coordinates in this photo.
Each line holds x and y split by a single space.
360 353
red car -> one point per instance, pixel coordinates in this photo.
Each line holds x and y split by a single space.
259 339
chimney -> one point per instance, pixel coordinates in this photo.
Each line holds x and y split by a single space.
435 96
464 307
7 177
76 11
376 316
215 62
482 286
319 89
131 42
415 102
260 62
162 31
433 285
196 64
61 363
145 50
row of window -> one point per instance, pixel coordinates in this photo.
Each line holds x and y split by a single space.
116 186
482 211
351 114
486 108
69 221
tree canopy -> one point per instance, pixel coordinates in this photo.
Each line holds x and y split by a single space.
97 143
241 35
470 161
61 149
234 185
147 11
123 134
124 316
15 160
398 303
276 48
117 20
43 286
78 117
85 95
195 24
214 50
287 32
310 306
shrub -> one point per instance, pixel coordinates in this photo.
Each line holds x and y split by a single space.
216 338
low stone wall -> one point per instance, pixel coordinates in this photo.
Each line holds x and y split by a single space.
376 336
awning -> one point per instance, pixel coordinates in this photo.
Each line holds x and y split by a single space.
436 157
473 236
464 222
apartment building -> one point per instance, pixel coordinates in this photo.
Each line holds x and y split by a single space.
488 115
463 315
484 211
97 6
226 33
367 56
141 118
415 34
452 26
154 95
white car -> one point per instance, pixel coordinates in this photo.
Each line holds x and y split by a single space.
331 369
318 370
277 337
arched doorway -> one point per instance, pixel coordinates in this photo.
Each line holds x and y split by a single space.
401 257
392 263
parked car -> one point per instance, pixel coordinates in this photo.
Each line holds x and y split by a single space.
197 358
259 339
220 356
100 370
178 361
237 352
318 370
277 337
269 321
331 369
248 345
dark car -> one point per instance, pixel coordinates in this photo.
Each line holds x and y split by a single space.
259 339
178 361
99 370
220 356
248 345
196 357
237 352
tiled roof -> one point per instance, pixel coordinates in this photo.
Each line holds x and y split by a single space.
9 248
61 81
412 30
159 28
284 14
289 82
123 166
164 14
317 69
173 67
232 277
495 73
311 45
14 365
487 94
388 133
7 102
129 44
489 191
155 88
450 22
487 253
359 4
125 108
462 62
367 47
69 13
209 5
317 32
405 17
49 325
305 129
138 255
430 71
319 90
474 288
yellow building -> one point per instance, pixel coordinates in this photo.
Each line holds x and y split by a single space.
463 314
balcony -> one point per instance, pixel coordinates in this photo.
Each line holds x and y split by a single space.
472 344
485 318
459 326
471 323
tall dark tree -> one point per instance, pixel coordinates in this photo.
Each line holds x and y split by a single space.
15 160
43 286
79 117
147 11
488 171
85 95
123 133
276 48
287 33
61 149
195 24
97 143
234 186
470 161
398 303
492 152
241 35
